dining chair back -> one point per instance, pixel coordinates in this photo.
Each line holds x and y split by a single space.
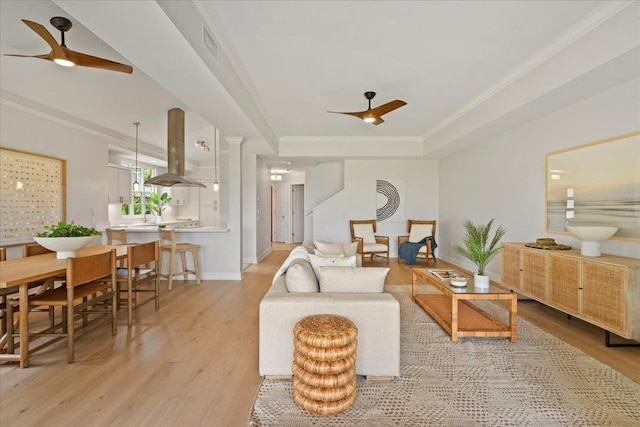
89 290
169 246
363 231
140 276
31 249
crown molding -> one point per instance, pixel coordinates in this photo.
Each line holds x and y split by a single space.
601 14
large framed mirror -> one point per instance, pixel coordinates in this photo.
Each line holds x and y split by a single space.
596 184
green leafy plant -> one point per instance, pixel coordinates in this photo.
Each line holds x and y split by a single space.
65 229
155 203
476 240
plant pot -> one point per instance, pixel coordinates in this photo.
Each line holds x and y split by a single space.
64 247
481 281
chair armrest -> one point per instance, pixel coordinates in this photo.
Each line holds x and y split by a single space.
402 239
360 241
382 239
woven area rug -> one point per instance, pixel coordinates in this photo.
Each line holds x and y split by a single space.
537 381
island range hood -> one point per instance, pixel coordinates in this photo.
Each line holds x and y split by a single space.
175 155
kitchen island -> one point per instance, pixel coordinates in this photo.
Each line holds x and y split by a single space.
213 242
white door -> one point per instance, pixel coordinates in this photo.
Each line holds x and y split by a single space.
297 213
279 219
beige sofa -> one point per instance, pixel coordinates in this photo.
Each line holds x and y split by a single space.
376 315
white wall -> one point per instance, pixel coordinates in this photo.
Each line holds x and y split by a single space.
504 176
86 155
263 217
358 199
249 208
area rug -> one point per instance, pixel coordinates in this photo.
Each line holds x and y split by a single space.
537 381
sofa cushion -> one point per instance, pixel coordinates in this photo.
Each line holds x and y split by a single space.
300 277
355 279
318 261
365 231
347 249
328 255
329 248
419 232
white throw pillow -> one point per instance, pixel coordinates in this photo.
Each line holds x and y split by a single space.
365 231
419 232
328 248
356 279
318 261
322 254
350 249
300 277
297 252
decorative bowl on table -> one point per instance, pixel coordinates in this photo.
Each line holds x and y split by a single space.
64 247
590 236
458 281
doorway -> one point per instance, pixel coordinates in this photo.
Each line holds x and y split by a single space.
279 213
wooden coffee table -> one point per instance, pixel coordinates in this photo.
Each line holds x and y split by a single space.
453 311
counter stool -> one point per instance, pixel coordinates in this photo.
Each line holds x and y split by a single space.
324 366
168 244
117 236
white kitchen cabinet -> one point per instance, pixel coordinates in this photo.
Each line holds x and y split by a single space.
179 196
119 185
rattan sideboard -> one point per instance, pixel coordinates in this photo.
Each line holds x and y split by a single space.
604 291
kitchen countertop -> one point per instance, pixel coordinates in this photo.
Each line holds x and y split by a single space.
154 228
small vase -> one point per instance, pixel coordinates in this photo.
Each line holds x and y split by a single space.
480 281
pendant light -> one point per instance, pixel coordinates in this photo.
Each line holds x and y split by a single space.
216 186
136 184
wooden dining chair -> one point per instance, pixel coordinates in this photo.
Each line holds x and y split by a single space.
140 276
29 249
89 289
169 245
363 232
3 296
418 230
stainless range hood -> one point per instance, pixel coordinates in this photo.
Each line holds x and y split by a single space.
175 155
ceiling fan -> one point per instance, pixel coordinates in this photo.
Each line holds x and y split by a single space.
66 57
373 115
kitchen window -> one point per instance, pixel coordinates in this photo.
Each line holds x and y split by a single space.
140 197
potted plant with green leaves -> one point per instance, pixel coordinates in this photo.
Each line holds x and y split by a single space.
480 248
156 203
65 238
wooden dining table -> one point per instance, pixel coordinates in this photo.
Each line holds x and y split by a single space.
19 272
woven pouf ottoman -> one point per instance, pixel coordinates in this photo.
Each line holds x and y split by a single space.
324 363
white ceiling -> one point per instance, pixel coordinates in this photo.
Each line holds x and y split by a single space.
282 64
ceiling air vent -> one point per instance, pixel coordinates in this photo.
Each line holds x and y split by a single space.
208 41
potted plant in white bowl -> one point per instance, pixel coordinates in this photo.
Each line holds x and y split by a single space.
66 238
479 249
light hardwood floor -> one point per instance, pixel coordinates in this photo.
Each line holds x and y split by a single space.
195 362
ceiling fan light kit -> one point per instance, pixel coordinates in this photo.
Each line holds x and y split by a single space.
374 115
64 56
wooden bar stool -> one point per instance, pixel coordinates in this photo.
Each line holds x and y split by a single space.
117 236
168 244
